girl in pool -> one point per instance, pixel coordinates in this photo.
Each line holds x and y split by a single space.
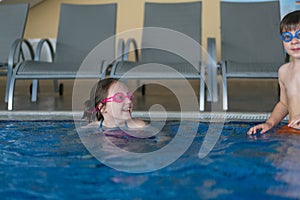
111 104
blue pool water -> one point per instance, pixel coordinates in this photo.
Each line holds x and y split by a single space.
47 160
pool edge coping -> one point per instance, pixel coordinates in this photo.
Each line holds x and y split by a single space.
199 116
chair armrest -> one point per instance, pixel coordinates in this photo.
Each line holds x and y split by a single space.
124 55
120 50
211 58
17 47
212 70
127 49
211 48
39 49
104 69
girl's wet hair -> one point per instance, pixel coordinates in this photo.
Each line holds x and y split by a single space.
97 94
290 22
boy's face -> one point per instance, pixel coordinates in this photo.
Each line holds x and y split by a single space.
292 47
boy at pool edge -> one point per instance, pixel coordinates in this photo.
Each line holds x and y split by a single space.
289 79
111 103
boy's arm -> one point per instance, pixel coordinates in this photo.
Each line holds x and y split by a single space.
278 114
281 109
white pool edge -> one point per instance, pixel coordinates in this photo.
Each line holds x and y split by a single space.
198 116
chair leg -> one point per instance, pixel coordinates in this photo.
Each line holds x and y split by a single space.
202 95
56 87
225 94
11 93
34 90
214 84
8 79
209 85
59 88
143 90
202 88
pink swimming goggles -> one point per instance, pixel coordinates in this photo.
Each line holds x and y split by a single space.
118 97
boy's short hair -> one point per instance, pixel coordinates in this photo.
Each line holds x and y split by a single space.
290 22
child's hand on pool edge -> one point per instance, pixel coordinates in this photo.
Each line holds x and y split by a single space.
295 123
263 127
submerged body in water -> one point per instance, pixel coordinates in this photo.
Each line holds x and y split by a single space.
61 167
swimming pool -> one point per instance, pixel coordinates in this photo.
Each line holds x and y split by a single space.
45 159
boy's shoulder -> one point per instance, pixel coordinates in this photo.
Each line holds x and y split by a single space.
285 65
283 71
284 68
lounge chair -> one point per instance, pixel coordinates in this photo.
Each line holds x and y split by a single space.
81 29
170 45
250 42
12 22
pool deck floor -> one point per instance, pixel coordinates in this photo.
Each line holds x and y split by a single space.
249 98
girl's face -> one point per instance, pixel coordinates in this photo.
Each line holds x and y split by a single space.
292 47
118 106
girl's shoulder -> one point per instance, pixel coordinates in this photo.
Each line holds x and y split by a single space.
136 123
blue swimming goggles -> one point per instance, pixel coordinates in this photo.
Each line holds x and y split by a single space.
288 36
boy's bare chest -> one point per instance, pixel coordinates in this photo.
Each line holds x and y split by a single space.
292 84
